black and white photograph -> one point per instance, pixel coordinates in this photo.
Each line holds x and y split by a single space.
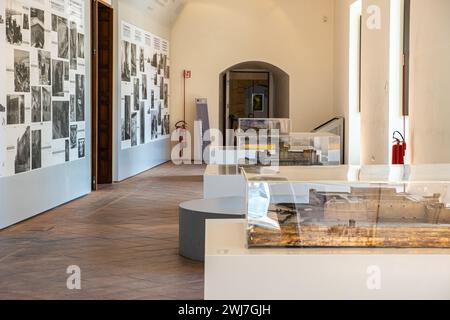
26 22
73 45
81 46
73 117
141 60
46 104
57 78
36 149
1 19
22 162
144 87
66 71
154 123
54 23
73 136
79 97
2 108
166 124
142 123
134 129
37 28
155 60
136 90
60 120
127 115
81 148
126 72
21 71
152 99
133 60
63 38
166 95
67 150
161 87
15 109
14 28
159 113
45 70
155 80
167 72
36 104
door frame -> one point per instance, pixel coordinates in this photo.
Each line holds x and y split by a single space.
94 86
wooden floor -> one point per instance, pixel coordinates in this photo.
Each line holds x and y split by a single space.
123 237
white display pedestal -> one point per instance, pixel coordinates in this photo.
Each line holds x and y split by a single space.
233 272
223 181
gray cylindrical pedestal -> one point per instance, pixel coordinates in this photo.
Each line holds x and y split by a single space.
193 215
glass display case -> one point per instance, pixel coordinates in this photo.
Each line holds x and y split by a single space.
347 206
293 149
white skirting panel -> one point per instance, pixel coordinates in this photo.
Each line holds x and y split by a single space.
234 272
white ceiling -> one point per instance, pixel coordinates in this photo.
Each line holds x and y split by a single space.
164 11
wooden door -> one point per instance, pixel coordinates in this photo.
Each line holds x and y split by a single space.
102 91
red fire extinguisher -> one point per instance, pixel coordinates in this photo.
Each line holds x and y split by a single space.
398 149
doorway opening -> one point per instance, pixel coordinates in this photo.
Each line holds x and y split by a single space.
252 90
102 93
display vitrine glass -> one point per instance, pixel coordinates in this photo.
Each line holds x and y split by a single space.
345 206
294 149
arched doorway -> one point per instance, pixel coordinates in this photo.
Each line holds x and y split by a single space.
252 89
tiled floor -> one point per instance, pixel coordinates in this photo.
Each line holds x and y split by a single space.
123 237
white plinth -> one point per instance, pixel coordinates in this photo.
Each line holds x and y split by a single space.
234 272
223 181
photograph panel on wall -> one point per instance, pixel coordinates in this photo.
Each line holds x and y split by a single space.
36 149
15 109
36 104
73 45
57 78
22 162
21 71
44 63
79 97
46 104
37 28
41 94
63 38
60 120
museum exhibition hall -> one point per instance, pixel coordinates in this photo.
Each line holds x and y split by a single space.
224 150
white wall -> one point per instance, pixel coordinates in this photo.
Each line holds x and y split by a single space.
26 195
209 36
130 162
430 81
